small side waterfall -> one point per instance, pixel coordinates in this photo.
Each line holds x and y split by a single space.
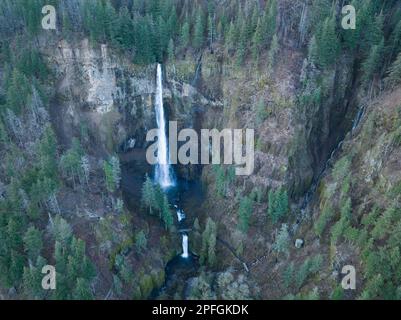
163 171
185 246
312 190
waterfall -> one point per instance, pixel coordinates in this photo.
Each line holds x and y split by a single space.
185 246
163 172
180 215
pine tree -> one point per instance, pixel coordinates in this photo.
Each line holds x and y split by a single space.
244 213
395 41
313 50
272 54
140 241
62 231
171 50
109 178
283 240
327 43
278 204
372 65
242 44
211 31
167 217
47 152
269 21
124 27
33 243
85 166
148 195
82 290
257 42
199 31
185 35
116 171
394 73
18 92
208 249
231 37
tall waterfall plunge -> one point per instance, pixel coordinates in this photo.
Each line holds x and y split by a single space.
163 171
164 176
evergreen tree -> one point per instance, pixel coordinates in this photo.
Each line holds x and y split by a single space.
199 31
18 92
242 44
166 215
244 213
269 21
124 26
116 171
231 37
140 241
82 290
71 161
372 65
211 31
33 243
272 54
257 42
185 35
327 43
394 73
47 152
278 204
171 50
283 240
148 195
208 249
62 231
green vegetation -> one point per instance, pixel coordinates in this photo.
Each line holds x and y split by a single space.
283 240
208 249
278 204
155 201
244 213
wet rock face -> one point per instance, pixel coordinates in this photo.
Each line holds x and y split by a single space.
112 98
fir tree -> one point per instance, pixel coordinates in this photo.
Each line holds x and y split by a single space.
283 240
257 42
166 215
244 213
33 243
199 31
185 35
372 65
327 43
148 195
82 290
208 249
394 73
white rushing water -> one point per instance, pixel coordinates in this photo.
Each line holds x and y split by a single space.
180 215
185 246
163 173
